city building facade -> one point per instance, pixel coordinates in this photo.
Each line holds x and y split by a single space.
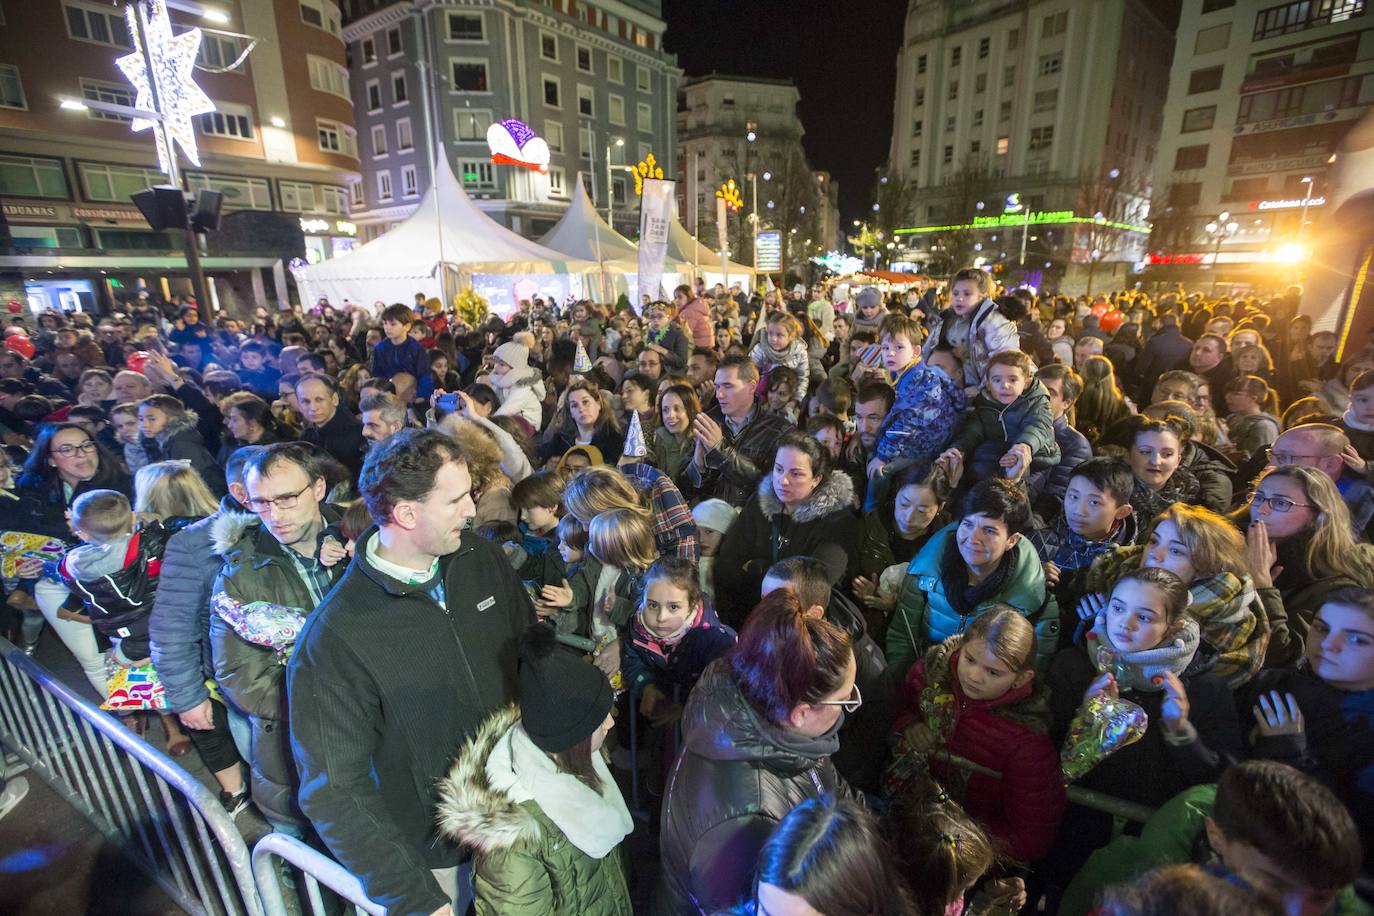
430 77
749 129
1260 97
1025 133
280 146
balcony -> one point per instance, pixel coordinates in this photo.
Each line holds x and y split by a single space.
1300 15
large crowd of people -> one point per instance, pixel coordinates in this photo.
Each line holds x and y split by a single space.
853 588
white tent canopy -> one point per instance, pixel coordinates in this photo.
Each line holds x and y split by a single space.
582 233
705 263
448 232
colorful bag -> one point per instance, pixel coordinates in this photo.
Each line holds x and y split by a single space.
1103 725
132 689
18 546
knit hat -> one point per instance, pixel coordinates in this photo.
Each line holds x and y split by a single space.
869 295
563 699
515 355
715 514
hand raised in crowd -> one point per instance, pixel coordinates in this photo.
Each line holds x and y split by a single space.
160 370
1262 555
707 431
332 551
876 468
867 591
1090 605
1277 715
557 596
953 461
1051 573
1352 459
1175 708
1104 685
1016 461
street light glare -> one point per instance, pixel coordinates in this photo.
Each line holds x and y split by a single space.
73 105
212 15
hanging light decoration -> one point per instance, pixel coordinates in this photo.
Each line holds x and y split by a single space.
729 192
647 169
163 80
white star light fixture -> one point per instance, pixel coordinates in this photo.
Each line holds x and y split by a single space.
169 89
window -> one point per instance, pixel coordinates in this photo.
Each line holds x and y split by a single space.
975 147
1041 138
1008 76
1046 99
322 14
400 94
1054 25
11 88
615 106
956 56
916 127
1211 6
218 52
618 188
977 117
980 83
553 136
356 200
472 125
552 92
23 176
337 138
468 75
548 46
374 95
477 173
228 120
410 185
1004 111
1003 145
948 156
383 186
1013 39
949 123
953 90
920 96
1204 80
101 26
915 159
584 59
615 70
1190 157
1050 64
920 64
643 79
1199 118
327 76
586 101
405 139
369 51
1185 194
558 182
107 183
584 140
1298 15
984 46
114 93
465 27
378 141
239 193
1214 39
1243 188
393 42
333 200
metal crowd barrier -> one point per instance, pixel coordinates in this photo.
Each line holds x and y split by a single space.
159 815
276 850
1098 801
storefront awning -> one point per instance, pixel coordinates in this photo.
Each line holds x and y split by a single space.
128 262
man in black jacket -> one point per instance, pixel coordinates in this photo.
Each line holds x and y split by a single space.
736 439
336 431
1165 350
402 662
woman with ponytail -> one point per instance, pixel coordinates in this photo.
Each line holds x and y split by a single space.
758 731
1253 422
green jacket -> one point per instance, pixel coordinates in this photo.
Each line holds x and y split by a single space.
1174 835
925 617
524 864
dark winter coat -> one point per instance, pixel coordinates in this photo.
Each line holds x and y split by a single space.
989 428
180 440
764 534
1008 735
1164 351
734 466
384 684
43 504
606 439
863 736
180 622
737 777
681 668
341 437
1214 473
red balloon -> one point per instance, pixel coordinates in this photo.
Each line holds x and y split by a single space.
136 360
21 345
15 306
1111 320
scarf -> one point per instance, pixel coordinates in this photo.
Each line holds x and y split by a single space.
656 337
1223 607
962 597
1349 419
663 646
1137 670
1078 552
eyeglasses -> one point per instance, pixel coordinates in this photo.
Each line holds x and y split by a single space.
850 705
1290 458
281 503
67 451
1280 504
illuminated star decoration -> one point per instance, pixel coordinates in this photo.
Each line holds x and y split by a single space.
646 169
172 58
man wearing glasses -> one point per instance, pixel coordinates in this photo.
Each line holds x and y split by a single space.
272 570
1327 448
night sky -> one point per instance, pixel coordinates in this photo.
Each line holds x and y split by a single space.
842 57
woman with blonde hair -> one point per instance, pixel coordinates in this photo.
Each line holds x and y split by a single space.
167 490
640 488
490 485
1204 550
584 417
1101 404
1300 546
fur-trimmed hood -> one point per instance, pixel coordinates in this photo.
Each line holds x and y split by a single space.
470 810
176 426
835 494
228 529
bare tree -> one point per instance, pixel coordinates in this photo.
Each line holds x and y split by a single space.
896 200
972 184
1110 198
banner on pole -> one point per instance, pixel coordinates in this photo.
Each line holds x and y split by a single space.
655 216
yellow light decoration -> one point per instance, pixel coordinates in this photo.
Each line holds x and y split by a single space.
646 169
729 192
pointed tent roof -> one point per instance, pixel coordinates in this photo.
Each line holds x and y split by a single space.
684 248
582 228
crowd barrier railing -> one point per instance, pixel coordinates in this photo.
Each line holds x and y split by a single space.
276 850
159 815
1088 798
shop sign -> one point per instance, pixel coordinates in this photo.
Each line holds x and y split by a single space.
1018 219
768 251
1319 117
1174 259
105 213
314 225
1288 204
30 210
344 227
1269 166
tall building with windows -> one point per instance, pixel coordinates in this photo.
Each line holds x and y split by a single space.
591 78
280 145
1260 97
1028 125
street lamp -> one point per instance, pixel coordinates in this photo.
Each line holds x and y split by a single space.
1306 199
1221 228
610 194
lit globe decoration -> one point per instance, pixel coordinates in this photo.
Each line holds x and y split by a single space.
646 169
729 192
513 142
169 78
